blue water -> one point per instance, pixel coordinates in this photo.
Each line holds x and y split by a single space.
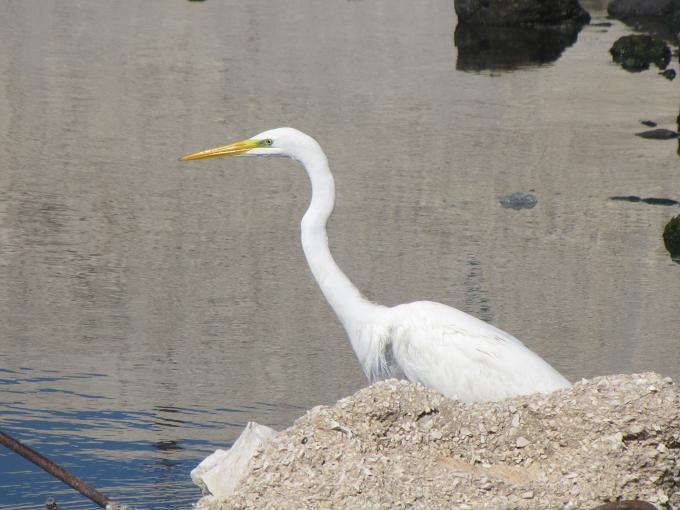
140 457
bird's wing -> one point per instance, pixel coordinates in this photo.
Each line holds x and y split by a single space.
463 357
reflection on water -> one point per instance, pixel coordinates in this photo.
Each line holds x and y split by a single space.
148 309
89 433
490 48
139 456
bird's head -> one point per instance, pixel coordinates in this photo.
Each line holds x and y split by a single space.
274 142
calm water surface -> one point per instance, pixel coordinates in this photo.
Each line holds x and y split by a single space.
149 308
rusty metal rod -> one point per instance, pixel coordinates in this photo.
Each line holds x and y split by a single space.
54 469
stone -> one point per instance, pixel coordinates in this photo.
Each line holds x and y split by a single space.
669 74
522 442
520 12
658 134
636 52
392 461
671 237
651 8
519 200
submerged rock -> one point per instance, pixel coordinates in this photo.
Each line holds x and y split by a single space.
626 198
519 200
669 74
660 201
658 134
520 12
636 52
650 200
396 444
671 237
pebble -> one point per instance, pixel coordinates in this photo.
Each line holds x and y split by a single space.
522 442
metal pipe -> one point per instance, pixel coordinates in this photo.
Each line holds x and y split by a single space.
54 470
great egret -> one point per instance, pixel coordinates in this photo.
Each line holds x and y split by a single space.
426 342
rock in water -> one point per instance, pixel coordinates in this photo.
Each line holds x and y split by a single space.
658 134
636 52
669 74
660 201
671 237
650 200
520 12
519 201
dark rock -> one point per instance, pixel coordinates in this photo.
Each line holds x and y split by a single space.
661 17
652 8
660 201
626 198
602 24
520 12
636 52
671 236
650 200
519 201
635 504
483 47
648 123
669 74
658 134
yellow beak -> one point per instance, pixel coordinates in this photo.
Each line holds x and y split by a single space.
233 149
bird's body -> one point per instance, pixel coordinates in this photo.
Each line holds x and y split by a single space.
458 355
426 342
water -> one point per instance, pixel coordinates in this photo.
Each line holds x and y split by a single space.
149 308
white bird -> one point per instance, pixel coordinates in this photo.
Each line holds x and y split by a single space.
430 343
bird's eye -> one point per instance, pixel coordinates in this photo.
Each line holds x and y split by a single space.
268 141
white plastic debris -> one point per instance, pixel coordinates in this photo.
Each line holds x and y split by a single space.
220 472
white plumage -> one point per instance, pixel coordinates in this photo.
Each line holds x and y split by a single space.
430 343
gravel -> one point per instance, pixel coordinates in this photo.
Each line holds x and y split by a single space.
398 445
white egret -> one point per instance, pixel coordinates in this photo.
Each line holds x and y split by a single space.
426 342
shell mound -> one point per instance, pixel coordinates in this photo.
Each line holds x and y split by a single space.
396 445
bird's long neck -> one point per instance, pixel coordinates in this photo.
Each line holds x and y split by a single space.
349 305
